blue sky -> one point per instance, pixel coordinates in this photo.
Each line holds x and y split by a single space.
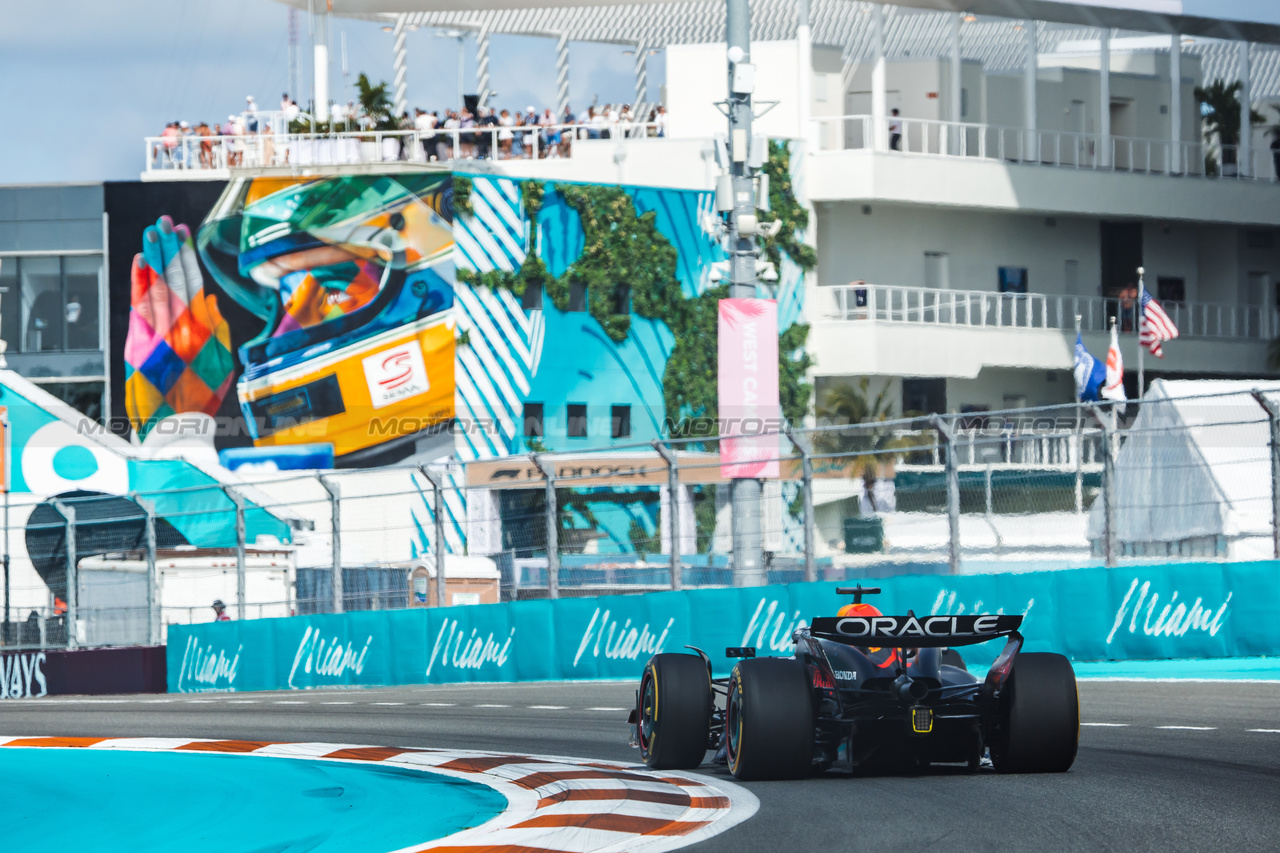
84 81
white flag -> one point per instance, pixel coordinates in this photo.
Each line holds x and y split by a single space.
1113 388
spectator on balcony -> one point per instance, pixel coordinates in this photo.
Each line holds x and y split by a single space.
895 130
661 120
182 152
235 129
1275 151
505 136
169 140
550 134
251 113
445 141
220 611
206 145
425 123
467 139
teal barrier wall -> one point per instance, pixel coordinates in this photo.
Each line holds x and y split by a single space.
1196 610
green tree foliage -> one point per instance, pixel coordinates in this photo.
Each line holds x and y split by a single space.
1220 115
375 102
626 266
784 206
871 443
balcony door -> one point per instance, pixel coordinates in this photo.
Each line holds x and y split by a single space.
937 270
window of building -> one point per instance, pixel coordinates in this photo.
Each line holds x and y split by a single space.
1013 279
531 299
1171 289
49 303
533 420
577 416
621 299
820 88
577 296
620 421
84 397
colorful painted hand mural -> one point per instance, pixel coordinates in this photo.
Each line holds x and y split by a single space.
177 356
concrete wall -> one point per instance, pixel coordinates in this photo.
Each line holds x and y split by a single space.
697 77
973 183
888 246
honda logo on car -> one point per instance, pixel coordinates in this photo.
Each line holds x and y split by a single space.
396 374
910 626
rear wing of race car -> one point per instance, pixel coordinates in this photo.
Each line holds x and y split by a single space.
913 631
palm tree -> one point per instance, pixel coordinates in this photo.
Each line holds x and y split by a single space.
852 405
1220 113
375 101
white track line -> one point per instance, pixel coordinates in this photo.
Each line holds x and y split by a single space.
1190 728
548 707
1107 725
1265 731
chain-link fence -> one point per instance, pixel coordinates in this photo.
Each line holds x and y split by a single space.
1189 478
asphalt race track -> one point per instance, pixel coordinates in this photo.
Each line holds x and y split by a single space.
1162 766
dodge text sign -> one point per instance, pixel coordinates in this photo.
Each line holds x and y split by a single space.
748 387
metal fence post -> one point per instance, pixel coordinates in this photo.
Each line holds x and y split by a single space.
153 581
1109 549
73 580
673 509
1273 416
806 485
948 437
241 607
553 528
335 540
437 489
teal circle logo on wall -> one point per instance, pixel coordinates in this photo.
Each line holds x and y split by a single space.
74 463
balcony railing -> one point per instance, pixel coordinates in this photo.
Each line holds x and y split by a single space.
986 309
1043 147
218 153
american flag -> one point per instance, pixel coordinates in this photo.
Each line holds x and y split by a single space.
1156 326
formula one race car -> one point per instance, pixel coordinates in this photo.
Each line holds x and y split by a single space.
879 692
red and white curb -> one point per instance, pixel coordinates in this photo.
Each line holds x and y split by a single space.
557 805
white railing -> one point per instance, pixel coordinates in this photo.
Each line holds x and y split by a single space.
987 309
312 149
1042 147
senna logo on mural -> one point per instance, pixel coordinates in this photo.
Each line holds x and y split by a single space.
352 278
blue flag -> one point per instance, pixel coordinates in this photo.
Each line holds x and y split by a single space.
1091 374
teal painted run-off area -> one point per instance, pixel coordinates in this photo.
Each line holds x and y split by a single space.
117 801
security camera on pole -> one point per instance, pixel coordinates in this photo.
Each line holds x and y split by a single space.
748 331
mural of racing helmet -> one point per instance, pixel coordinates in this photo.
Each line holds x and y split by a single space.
353 279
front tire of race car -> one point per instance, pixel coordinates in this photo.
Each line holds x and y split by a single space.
1041 727
673 717
769 720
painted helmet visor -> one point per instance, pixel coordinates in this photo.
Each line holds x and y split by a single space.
302 253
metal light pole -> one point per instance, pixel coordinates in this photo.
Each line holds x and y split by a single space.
461 36
744 494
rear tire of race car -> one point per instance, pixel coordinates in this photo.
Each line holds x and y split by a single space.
673 716
1041 726
769 720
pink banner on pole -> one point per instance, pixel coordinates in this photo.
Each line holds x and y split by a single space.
748 388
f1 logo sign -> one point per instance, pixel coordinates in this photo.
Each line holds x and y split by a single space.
395 374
